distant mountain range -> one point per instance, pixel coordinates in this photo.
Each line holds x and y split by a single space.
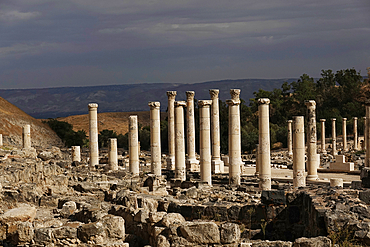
67 101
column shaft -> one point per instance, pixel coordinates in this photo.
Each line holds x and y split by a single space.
1 139
192 164
217 164
171 130
290 138
334 137
264 144
367 134
344 134
355 137
323 149
26 136
299 179
76 153
180 172
205 140
93 135
155 138
133 138
313 159
112 154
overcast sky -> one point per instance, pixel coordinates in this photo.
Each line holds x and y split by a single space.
49 43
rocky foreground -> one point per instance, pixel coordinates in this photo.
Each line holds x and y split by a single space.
48 200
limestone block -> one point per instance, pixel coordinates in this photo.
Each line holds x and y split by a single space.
230 233
44 236
162 241
200 232
156 217
65 232
115 226
92 233
336 182
141 216
68 209
24 213
172 218
273 197
365 196
147 203
320 241
22 232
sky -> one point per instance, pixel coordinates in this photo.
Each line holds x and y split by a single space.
49 43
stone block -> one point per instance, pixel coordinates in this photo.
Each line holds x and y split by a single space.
200 232
65 232
320 241
365 177
275 197
68 209
230 233
25 213
115 226
365 196
172 218
44 236
156 217
92 233
356 185
162 241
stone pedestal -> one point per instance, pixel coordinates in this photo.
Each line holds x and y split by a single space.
336 182
334 137
155 138
76 154
367 133
344 134
323 149
340 164
112 154
93 135
133 143
234 137
180 172
192 164
355 136
26 136
290 138
312 161
171 130
299 179
264 144
205 140
217 164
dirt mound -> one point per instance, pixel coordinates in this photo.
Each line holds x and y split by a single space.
12 119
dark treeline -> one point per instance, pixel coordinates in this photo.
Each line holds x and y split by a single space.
337 95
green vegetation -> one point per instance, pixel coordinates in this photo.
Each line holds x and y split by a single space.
65 132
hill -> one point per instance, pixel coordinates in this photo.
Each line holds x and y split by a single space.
67 101
12 119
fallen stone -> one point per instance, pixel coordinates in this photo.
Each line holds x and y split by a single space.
172 218
230 233
320 241
25 213
200 232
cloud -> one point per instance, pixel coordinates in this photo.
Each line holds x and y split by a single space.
15 15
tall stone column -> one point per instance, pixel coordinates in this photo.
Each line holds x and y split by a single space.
93 135
76 154
299 179
133 143
365 130
313 159
217 164
355 137
257 161
112 154
191 162
344 134
180 172
234 137
264 143
290 138
323 149
155 137
1 140
205 140
171 130
26 136
367 133
334 137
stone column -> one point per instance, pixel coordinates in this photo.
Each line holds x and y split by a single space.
323 150
312 157
290 138
93 135
257 161
1 140
367 134
112 154
26 136
180 172
155 138
205 140
355 137
217 164
133 143
234 137
192 164
365 130
264 144
76 154
171 130
344 134
334 137
299 179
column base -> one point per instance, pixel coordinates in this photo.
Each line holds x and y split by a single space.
192 165
312 178
217 166
265 182
290 154
324 152
170 163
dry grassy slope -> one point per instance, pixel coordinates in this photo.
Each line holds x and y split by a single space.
117 121
12 119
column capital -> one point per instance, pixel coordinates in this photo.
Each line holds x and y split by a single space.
190 94
262 101
180 103
232 102
354 118
93 105
364 118
344 119
214 93
235 94
154 104
202 103
171 94
367 102
310 104
322 120
289 121
333 119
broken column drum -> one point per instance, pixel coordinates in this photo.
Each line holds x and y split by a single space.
180 171
112 154
76 154
264 144
93 135
234 137
334 137
290 138
205 140
155 138
355 137
312 158
344 133
133 142
299 179
367 133
171 130
26 136
323 150
191 161
217 163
